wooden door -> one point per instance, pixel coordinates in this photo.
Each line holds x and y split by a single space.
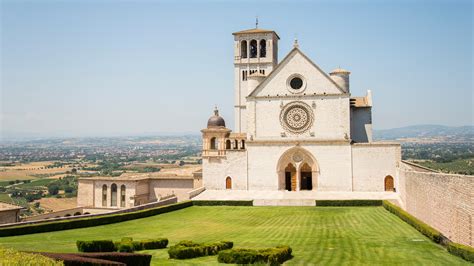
228 183
389 183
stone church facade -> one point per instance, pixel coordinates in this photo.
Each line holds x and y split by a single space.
296 127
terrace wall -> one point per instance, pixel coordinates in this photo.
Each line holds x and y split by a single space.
444 201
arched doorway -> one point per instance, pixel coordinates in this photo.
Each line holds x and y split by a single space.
228 183
306 177
389 185
290 177
297 170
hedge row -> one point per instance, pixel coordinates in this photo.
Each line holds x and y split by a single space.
128 245
90 221
189 249
352 203
272 256
425 229
109 258
223 202
462 251
14 257
125 245
95 246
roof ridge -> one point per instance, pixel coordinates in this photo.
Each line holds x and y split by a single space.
295 49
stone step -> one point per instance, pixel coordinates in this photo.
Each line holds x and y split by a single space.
284 202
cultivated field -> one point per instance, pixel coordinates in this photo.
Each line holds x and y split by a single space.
31 171
322 236
55 204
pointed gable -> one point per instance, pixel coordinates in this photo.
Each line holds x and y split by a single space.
296 62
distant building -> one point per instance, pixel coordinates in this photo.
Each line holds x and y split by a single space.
130 189
296 127
9 213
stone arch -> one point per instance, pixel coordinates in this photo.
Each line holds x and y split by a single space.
122 195
305 163
77 213
213 143
113 195
389 183
243 49
263 48
104 195
253 49
227 144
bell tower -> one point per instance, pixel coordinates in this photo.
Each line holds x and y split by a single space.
255 51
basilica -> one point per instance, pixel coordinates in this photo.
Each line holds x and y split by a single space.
296 127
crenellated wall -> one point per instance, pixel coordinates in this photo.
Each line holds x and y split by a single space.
444 201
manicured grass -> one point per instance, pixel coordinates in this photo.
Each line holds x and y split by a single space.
323 236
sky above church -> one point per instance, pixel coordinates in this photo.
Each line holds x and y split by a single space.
99 68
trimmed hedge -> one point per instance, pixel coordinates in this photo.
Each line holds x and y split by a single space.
127 258
95 246
189 249
14 257
108 258
73 259
272 256
465 252
128 245
425 229
90 221
125 245
351 203
223 202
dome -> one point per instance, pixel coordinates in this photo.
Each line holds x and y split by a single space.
216 120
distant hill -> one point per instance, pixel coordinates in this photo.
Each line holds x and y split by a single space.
424 132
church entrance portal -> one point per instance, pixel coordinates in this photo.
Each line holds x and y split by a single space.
297 170
306 177
290 177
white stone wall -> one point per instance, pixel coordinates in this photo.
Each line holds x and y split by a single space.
331 118
361 124
85 193
164 187
371 163
444 201
334 163
129 193
216 170
316 81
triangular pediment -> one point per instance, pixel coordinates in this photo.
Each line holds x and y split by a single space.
296 63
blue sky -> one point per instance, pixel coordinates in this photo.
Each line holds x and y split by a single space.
85 68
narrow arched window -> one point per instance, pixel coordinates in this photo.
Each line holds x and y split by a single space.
253 48
243 145
236 144
213 143
263 48
243 49
122 196
228 183
104 196
227 144
113 195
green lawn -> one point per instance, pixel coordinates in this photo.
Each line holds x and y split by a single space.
323 236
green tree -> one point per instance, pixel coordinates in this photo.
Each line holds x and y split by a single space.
53 189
